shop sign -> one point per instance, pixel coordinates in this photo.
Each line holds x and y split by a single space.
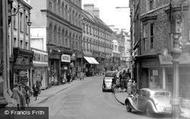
155 72
22 61
165 59
65 58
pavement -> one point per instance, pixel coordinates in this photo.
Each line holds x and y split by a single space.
120 96
45 94
52 91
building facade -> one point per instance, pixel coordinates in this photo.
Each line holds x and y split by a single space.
96 40
20 54
127 52
40 60
61 21
153 29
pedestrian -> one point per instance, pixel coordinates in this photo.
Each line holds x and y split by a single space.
27 93
68 76
134 88
18 96
35 91
129 87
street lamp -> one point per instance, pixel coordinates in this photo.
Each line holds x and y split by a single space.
176 52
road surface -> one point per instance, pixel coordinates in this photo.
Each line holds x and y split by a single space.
85 100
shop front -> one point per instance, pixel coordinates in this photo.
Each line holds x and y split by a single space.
65 66
40 68
21 67
54 65
90 65
79 64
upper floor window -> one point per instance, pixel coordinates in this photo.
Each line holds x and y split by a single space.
151 35
14 18
21 21
145 36
21 43
26 45
50 5
151 4
15 42
27 27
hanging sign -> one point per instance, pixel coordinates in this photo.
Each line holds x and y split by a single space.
65 58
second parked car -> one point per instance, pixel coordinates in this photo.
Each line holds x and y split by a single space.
107 84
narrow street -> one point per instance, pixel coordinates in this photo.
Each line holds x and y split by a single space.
85 100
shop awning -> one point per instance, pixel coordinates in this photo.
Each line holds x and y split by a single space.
91 60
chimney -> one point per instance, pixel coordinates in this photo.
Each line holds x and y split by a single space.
90 8
96 12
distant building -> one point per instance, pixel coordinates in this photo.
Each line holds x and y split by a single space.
96 40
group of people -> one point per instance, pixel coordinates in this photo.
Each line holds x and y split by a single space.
125 82
22 93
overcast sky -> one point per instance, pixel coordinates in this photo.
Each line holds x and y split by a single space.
120 18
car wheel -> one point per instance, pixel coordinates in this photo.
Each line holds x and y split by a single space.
128 107
148 110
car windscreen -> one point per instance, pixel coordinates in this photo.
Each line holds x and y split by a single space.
110 74
162 94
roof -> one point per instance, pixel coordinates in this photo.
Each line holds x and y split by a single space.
95 20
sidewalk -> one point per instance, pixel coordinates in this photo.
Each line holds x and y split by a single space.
121 96
50 92
45 94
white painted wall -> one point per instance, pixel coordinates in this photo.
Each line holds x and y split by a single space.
127 48
38 38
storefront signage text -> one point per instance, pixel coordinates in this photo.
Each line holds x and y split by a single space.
65 58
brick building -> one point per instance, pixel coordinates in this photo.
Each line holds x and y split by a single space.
60 21
153 26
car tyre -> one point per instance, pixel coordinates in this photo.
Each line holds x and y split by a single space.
128 107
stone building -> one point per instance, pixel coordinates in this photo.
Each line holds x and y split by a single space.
96 41
158 28
60 21
21 56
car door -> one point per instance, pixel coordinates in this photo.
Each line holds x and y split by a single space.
142 100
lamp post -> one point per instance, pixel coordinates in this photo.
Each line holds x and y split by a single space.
176 52
176 36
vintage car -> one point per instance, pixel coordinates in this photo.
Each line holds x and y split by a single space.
150 101
108 80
